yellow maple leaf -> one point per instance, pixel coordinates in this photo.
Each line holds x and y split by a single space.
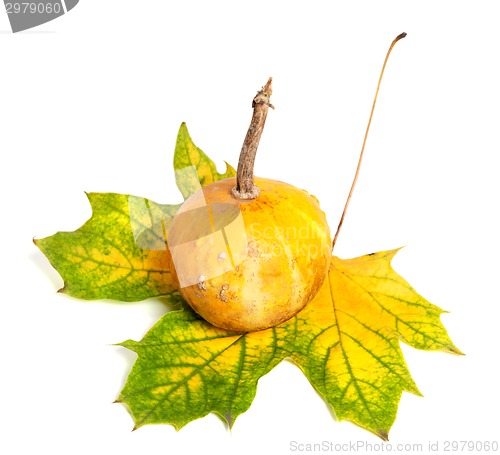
346 340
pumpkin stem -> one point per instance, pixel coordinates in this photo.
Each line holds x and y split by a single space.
245 187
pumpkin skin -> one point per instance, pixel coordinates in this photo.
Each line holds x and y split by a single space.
247 265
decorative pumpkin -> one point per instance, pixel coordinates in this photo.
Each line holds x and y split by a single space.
249 256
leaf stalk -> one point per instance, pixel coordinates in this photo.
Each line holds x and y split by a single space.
399 37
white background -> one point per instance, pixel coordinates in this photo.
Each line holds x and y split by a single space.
93 101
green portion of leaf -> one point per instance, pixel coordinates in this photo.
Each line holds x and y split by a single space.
119 254
346 341
188 368
193 168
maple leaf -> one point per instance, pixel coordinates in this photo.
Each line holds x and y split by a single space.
346 340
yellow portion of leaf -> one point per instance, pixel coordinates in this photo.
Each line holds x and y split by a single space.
346 341
374 287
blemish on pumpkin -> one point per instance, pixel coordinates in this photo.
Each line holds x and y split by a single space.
222 294
251 249
202 285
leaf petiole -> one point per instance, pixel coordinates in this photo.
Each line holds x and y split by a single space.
399 37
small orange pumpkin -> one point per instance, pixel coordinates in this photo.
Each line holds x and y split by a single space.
246 265
249 255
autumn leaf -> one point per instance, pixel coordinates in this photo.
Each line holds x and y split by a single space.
193 168
346 341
